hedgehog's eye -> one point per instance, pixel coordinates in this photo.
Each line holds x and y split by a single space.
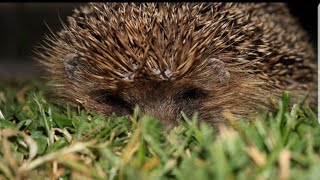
192 94
119 104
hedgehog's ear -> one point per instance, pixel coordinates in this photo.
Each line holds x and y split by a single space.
219 69
72 64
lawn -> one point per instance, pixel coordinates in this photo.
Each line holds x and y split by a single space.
42 140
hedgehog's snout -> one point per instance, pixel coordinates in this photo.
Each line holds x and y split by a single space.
165 112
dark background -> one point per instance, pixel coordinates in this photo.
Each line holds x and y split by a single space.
22 27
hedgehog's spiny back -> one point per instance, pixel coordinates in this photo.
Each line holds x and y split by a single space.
162 41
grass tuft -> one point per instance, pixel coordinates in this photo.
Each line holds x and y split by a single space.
39 139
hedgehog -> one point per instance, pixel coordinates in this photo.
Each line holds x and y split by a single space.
169 58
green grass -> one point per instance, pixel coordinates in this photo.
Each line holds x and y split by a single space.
39 140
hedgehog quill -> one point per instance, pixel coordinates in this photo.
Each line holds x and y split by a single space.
173 57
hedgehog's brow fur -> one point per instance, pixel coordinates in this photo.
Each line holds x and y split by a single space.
261 46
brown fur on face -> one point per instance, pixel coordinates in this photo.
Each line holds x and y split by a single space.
173 57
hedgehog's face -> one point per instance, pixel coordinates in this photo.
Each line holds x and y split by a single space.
164 100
